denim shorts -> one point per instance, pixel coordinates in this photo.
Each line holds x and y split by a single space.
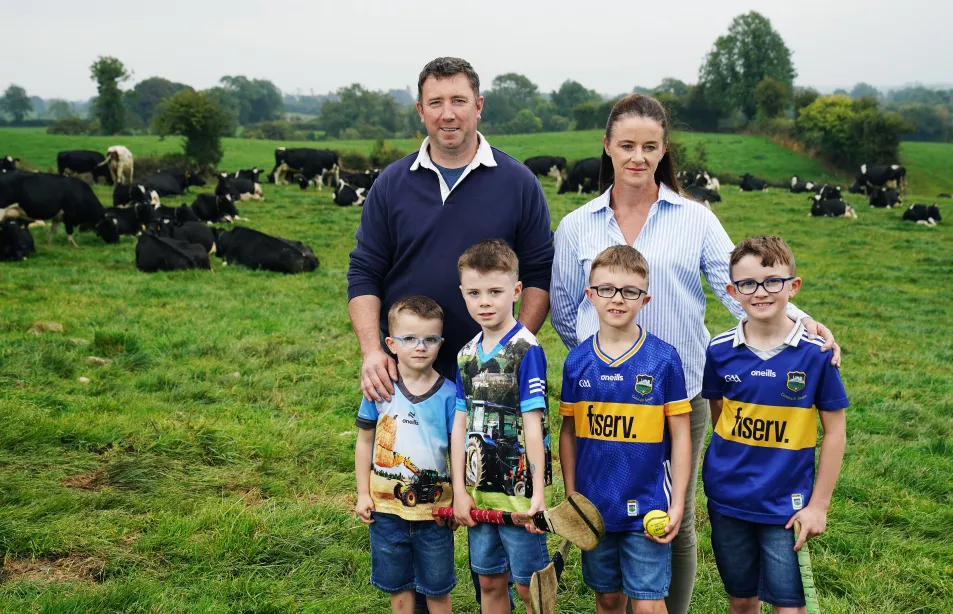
629 561
756 560
411 555
495 549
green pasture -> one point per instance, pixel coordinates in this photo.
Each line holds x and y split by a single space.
208 467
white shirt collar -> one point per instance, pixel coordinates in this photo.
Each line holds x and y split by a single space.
484 156
791 340
665 194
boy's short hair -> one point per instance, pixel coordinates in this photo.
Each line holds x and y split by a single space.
423 307
621 258
772 250
489 255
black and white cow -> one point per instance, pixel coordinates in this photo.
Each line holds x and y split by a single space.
212 208
928 215
41 196
8 163
877 176
182 213
829 192
16 242
256 250
347 195
831 208
81 161
547 166
798 186
750 183
248 173
155 253
238 188
583 178
172 181
883 198
126 194
307 162
699 178
190 232
944 195
702 195
128 220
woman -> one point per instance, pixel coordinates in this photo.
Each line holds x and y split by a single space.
641 206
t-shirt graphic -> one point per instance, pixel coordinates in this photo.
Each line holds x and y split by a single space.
410 472
759 465
495 389
620 408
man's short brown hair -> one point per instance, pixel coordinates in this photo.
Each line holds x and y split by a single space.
621 258
771 250
489 255
445 68
423 307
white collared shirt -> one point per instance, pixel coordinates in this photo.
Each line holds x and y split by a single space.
680 237
484 156
790 341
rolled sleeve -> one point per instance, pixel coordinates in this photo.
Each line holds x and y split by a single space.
372 258
534 241
716 252
567 288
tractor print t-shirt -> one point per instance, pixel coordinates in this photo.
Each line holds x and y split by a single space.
759 465
620 408
495 389
410 472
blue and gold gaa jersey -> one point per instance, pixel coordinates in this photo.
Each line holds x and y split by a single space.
760 463
619 406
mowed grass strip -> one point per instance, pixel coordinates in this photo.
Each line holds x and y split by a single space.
207 466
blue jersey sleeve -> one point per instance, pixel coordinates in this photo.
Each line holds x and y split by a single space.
675 395
532 380
567 394
367 415
713 385
831 394
461 399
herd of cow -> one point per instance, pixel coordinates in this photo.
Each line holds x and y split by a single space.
168 235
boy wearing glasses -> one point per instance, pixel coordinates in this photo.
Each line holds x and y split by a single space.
625 442
766 380
401 465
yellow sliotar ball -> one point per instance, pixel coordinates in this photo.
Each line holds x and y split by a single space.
655 522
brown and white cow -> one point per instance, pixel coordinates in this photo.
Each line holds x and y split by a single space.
120 164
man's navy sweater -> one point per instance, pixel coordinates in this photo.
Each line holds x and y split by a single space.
409 241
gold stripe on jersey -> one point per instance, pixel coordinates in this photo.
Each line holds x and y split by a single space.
768 426
676 408
616 362
617 421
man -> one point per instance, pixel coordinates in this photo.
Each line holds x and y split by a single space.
426 209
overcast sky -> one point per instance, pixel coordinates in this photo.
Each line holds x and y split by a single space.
48 45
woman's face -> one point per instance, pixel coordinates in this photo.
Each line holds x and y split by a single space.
636 148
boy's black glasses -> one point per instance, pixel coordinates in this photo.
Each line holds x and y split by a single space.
412 341
771 284
629 293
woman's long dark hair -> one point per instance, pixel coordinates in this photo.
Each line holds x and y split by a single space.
639 105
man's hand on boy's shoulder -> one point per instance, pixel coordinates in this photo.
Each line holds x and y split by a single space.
364 507
378 374
813 522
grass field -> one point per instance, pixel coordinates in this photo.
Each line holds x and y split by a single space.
208 467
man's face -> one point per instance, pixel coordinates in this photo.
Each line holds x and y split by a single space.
449 108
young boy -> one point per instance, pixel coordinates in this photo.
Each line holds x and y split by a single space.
625 442
408 437
501 429
766 379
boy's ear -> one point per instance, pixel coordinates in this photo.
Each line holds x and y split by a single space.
795 286
646 299
391 344
732 291
517 290
589 294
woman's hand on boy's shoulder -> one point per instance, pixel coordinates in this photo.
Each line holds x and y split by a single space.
813 522
815 328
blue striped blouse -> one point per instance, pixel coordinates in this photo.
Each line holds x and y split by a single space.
680 236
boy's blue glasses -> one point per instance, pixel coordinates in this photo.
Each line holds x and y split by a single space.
412 341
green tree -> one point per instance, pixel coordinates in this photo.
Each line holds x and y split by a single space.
865 90
850 132
696 111
739 60
771 96
570 94
587 116
803 96
525 122
60 109
15 103
259 100
199 119
372 114
930 122
147 94
672 86
108 73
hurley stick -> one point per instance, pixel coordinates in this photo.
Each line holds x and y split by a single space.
807 574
